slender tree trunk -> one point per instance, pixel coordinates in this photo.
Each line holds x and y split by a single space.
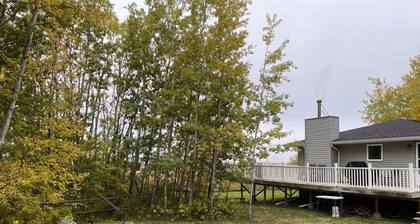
157 171
165 191
251 191
165 186
213 165
147 158
16 88
175 182
254 140
134 168
96 122
133 175
198 88
3 15
181 188
192 178
229 183
182 175
86 112
210 192
200 177
156 177
194 154
171 129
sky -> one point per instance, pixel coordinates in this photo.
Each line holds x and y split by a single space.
337 46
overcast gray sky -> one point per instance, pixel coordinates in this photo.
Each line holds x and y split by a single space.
336 45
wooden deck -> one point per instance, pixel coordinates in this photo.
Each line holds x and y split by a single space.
385 182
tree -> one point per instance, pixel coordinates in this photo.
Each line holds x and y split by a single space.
265 104
38 162
388 102
155 106
22 66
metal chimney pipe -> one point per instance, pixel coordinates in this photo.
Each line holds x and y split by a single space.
319 102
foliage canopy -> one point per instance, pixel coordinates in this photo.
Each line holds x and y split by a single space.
159 106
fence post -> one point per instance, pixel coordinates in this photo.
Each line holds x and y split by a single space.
370 175
336 174
411 175
307 172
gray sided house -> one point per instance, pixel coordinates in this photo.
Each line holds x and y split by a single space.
380 160
391 144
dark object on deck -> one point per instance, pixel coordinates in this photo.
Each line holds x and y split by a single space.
356 164
352 178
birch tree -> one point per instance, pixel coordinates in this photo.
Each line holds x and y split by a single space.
265 103
7 117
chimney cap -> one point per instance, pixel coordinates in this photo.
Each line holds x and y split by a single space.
319 101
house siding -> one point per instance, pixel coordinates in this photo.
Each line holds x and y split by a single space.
319 133
334 157
395 154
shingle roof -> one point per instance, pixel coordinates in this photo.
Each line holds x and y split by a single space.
389 129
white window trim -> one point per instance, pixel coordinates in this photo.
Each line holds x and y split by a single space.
417 154
382 152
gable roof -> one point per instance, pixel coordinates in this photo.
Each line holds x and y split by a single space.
390 129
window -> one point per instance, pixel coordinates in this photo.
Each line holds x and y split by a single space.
374 152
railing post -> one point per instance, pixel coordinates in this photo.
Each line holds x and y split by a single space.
263 170
411 175
336 174
369 175
307 172
284 172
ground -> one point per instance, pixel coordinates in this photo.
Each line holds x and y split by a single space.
267 212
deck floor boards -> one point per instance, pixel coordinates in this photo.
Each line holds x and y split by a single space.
392 193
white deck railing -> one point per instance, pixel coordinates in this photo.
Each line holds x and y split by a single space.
398 179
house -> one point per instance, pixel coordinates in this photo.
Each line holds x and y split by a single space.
391 144
386 155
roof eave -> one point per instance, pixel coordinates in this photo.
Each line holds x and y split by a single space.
376 140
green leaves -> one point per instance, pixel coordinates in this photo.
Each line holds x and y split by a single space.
154 104
46 140
388 102
269 29
265 104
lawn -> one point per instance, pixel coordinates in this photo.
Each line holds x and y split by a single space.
267 212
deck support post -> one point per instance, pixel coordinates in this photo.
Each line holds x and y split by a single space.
265 193
242 192
419 205
285 196
377 214
310 206
254 196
